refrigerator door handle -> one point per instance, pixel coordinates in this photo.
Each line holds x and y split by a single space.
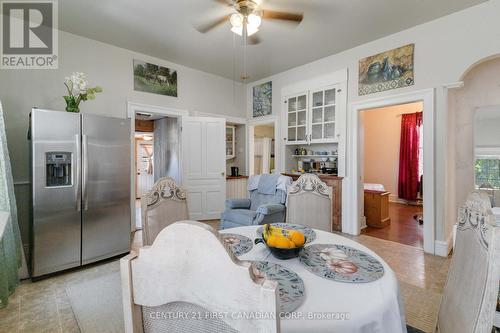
78 163
85 168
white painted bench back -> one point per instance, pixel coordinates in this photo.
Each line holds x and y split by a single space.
189 267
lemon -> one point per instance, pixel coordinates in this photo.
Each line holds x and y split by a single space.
272 240
284 243
297 238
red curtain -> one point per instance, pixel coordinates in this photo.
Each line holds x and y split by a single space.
408 156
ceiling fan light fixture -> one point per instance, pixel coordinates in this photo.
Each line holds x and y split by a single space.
237 30
252 22
236 20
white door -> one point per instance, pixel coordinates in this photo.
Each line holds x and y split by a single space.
204 166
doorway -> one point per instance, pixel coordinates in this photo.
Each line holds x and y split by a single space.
144 162
392 172
262 148
353 210
157 153
143 118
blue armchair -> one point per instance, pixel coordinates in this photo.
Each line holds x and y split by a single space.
266 203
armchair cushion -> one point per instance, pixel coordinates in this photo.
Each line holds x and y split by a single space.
271 208
238 203
239 216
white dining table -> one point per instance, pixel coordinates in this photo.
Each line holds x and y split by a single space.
331 306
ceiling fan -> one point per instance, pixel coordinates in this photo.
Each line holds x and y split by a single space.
247 18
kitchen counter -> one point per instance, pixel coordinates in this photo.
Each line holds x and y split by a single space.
236 177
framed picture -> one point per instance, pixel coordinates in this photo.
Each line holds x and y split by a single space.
263 99
154 79
388 70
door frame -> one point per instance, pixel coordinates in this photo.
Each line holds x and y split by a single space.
352 211
132 109
251 123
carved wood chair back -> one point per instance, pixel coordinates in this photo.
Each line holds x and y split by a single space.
471 291
163 205
309 202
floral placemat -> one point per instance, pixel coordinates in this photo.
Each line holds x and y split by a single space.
308 232
238 243
290 286
341 263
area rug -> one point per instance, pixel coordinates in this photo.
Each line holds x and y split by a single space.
97 304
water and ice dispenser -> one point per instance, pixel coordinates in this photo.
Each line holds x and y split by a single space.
58 169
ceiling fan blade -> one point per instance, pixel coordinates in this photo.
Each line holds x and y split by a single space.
253 40
204 28
274 15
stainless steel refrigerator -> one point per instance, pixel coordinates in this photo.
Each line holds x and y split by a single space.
80 169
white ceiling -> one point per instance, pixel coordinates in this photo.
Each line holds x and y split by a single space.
164 29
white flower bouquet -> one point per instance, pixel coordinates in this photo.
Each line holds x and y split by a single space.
78 90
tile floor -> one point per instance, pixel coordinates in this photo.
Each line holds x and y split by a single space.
44 306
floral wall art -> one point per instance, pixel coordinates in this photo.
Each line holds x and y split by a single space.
263 99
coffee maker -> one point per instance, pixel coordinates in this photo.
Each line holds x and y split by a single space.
235 171
330 166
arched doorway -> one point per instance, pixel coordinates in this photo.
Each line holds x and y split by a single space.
480 90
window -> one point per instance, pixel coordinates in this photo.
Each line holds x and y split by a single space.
488 171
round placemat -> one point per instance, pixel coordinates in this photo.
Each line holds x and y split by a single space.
239 244
290 286
308 232
341 263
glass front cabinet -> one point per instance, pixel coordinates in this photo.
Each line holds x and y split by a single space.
297 119
230 142
311 116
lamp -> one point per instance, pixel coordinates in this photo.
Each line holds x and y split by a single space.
252 22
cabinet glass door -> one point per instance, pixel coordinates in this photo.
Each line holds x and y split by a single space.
323 115
297 119
230 143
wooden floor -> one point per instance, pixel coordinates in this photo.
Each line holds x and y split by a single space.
403 228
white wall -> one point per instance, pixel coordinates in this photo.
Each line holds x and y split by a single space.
444 50
382 137
111 68
481 89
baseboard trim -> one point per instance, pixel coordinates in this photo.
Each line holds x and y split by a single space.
395 199
443 248
362 222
